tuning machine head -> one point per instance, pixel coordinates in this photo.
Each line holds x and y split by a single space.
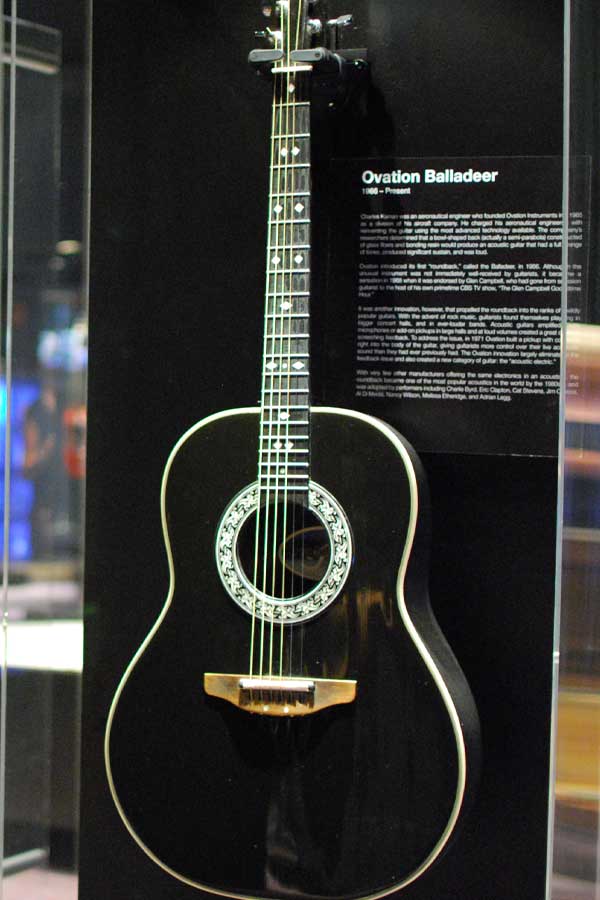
334 27
266 35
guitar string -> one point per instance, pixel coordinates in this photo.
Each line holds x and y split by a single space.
274 427
286 368
284 327
276 320
279 292
294 85
287 266
284 399
308 187
263 480
296 306
277 328
307 379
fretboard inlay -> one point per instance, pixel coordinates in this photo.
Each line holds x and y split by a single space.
284 458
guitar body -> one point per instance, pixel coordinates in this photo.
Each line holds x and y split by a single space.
352 801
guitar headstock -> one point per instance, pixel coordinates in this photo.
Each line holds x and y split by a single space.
296 38
289 26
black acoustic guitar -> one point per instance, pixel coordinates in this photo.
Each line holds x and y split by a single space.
295 724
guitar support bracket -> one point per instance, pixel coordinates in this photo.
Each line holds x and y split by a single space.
333 73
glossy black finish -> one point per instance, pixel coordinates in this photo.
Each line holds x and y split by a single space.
344 803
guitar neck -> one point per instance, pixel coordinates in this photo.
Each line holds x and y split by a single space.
285 401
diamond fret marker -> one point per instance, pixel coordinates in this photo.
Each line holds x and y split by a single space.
286 305
278 445
298 365
299 207
298 258
278 208
276 260
292 88
284 151
289 445
284 416
271 365
296 151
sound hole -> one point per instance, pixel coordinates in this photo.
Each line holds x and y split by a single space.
293 550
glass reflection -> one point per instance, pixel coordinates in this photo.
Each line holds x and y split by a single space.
578 726
576 860
43 357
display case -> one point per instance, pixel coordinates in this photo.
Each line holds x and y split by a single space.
435 285
435 273
43 351
576 832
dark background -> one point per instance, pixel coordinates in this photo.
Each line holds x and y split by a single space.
179 189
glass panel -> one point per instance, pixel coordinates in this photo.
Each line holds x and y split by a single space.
577 793
42 435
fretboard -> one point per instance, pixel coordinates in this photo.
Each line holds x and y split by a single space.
284 461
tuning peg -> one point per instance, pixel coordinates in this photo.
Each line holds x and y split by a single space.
334 27
314 26
341 21
266 35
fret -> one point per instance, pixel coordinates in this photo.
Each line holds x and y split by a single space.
283 452
296 465
287 315
290 377
291 194
289 222
276 325
284 247
296 294
281 246
282 479
294 370
286 165
289 424
286 389
296 437
290 355
286 335
271 394
291 136
281 409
